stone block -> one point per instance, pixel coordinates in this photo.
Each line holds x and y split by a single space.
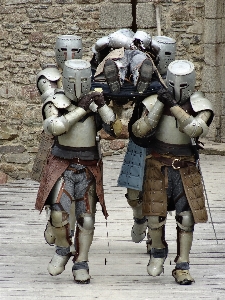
48 53
7 134
19 158
24 58
221 70
211 80
222 99
212 31
196 28
9 90
117 144
115 16
223 30
214 9
15 2
213 129
12 149
32 116
36 37
3 178
7 9
146 17
121 1
223 129
214 54
217 101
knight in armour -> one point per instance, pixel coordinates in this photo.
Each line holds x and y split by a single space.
124 54
177 116
132 170
71 182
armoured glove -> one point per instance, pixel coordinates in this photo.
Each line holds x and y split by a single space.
166 98
99 100
86 100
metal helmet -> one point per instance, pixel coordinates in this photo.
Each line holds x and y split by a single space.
47 80
67 47
76 78
166 54
180 80
144 38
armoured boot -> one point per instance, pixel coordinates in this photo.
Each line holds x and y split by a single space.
138 230
80 268
81 272
185 226
157 245
57 264
111 73
145 76
156 262
61 231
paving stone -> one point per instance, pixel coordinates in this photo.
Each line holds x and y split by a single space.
117 265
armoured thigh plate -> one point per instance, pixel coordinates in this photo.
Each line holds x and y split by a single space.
52 198
81 134
168 132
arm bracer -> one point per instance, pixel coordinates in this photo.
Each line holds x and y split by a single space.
107 114
192 126
147 123
55 125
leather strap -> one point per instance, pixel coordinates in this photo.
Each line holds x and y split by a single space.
176 163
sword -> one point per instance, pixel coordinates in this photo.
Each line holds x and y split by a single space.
203 183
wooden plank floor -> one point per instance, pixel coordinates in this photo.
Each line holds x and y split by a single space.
117 266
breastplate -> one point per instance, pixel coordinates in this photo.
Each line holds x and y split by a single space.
81 134
168 132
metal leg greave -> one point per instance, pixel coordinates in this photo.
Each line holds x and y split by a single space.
80 268
158 250
138 230
184 242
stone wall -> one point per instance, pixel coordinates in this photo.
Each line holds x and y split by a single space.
213 72
28 30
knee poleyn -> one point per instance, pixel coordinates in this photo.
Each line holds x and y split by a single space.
155 222
86 221
185 221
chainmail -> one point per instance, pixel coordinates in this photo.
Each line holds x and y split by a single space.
182 266
76 185
82 265
174 190
63 251
159 253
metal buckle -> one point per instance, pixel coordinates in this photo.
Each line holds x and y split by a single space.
176 159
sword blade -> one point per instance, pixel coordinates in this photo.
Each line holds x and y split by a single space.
207 200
